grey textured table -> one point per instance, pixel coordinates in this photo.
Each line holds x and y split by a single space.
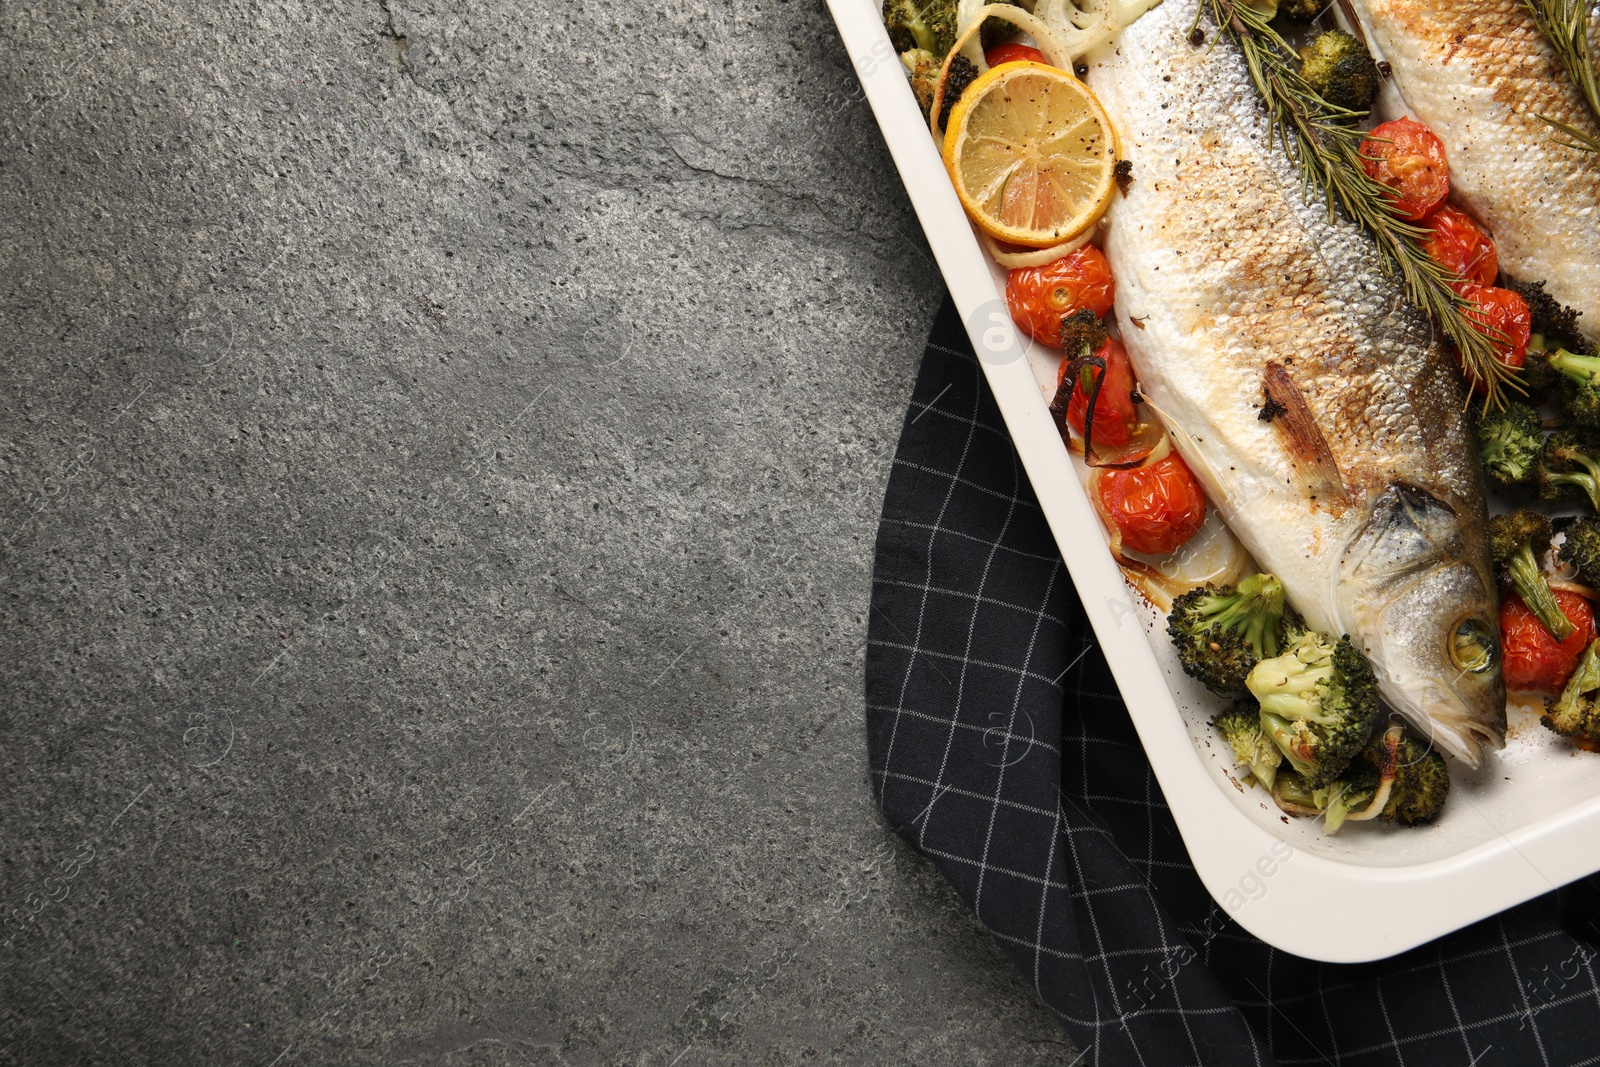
442 445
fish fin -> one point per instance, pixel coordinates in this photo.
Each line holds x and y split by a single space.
1288 412
1409 530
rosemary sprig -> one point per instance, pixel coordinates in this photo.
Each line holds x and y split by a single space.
1579 140
1565 24
1325 145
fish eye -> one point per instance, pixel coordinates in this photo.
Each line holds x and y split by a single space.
1473 647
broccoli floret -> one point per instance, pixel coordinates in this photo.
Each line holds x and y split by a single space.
1082 334
1576 715
1536 376
998 31
1240 727
1301 11
922 67
1568 469
1421 782
962 74
930 26
1222 632
1394 776
1318 701
1508 444
1580 395
1517 540
1581 548
1340 70
1557 324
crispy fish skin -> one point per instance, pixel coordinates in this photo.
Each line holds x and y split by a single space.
1479 73
1363 494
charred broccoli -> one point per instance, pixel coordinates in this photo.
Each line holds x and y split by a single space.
1517 540
1508 444
1394 777
1537 377
1421 783
1302 11
1240 726
1557 325
998 31
1082 334
962 74
930 26
1340 70
1580 394
1575 714
1318 701
923 70
1221 633
1569 469
922 67
1581 548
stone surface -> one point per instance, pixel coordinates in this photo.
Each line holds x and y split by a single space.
440 450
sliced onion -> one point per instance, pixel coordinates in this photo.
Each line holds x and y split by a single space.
1127 12
967 14
1289 807
966 18
1042 36
1084 25
966 10
1160 590
1034 257
1148 584
1212 555
1380 799
1064 30
1160 578
1149 445
1585 591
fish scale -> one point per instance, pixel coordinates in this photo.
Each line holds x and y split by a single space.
1480 74
1225 277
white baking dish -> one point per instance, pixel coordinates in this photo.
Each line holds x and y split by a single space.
1525 824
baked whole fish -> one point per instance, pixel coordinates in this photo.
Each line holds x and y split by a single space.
1360 487
1479 73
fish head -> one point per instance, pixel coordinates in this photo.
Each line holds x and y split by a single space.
1415 582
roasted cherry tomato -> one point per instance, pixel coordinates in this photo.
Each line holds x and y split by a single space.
1013 53
1157 507
1458 244
1114 414
1505 311
1040 297
1409 159
1532 660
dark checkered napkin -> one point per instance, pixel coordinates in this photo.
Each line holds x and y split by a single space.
1000 748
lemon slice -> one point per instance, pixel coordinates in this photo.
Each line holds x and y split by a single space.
1032 154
